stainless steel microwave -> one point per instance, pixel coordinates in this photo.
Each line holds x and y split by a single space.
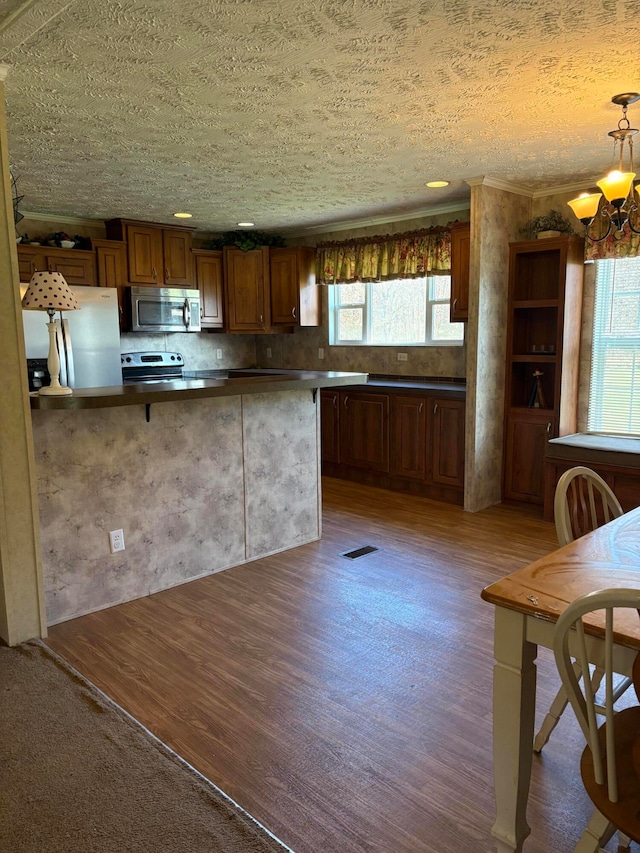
164 309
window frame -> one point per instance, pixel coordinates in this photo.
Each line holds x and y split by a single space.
335 306
599 345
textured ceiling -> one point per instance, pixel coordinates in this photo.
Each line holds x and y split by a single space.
295 113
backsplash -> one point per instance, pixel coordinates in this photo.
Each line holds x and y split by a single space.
300 350
199 349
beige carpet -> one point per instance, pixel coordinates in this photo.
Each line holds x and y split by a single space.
78 775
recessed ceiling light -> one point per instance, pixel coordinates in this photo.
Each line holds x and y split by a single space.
434 184
246 224
183 215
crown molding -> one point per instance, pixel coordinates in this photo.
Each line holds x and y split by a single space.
54 217
346 224
566 188
498 184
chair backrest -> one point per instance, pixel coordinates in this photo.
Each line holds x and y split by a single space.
583 501
581 693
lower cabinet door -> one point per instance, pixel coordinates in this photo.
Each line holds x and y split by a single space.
364 430
409 437
446 440
525 444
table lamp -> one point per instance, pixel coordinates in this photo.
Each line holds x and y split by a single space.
48 291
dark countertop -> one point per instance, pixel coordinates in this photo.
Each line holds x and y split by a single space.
241 382
416 385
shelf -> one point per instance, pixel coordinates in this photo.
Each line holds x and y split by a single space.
535 358
536 303
523 381
527 410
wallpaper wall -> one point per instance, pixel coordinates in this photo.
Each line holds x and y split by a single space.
497 218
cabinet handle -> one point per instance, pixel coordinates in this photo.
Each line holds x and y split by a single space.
33 268
420 408
435 408
548 429
455 302
166 274
154 274
345 401
335 402
201 313
293 312
262 320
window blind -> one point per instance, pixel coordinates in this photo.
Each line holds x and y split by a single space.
614 399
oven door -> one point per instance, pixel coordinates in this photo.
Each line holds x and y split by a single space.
164 309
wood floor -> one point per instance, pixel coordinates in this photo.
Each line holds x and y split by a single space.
345 704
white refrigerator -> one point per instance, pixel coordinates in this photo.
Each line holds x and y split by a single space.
88 341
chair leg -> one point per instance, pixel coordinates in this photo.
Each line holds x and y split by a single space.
555 712
597 834
624 842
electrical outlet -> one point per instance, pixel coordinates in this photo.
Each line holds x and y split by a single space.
268 352
320 352
402 356
218 354
116 540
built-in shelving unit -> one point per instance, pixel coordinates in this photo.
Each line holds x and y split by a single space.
543 339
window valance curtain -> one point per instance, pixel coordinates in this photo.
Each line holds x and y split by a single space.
413 254
628 246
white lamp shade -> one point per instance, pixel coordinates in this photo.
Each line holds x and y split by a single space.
49 290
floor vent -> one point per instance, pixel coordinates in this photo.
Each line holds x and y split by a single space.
359 552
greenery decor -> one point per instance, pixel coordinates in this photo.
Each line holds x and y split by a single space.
552 221
245 240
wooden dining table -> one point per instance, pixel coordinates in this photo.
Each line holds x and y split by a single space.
528 603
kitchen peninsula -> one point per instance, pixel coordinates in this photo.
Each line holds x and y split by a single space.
218 472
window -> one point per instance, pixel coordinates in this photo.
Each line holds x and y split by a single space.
406 312
614 399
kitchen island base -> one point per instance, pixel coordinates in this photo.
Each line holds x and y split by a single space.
207 484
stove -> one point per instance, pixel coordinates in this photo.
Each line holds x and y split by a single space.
150 367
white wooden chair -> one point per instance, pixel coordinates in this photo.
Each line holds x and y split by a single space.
610 764
583 501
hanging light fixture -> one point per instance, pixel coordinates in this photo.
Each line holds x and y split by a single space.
620 208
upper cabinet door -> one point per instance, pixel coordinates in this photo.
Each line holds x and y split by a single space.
209 282
76 265
295 296
178 264
144 250
460 253
285 308
246 276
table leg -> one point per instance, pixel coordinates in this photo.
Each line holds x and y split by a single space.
514 700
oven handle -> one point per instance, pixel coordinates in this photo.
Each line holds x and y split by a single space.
186 313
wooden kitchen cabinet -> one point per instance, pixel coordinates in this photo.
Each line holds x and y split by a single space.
246 283
446 441
78 266
111 262
526 438
394 439
330 425
111 259
460 254
157 256
294 294
409 437
209 281
543 340
364 430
